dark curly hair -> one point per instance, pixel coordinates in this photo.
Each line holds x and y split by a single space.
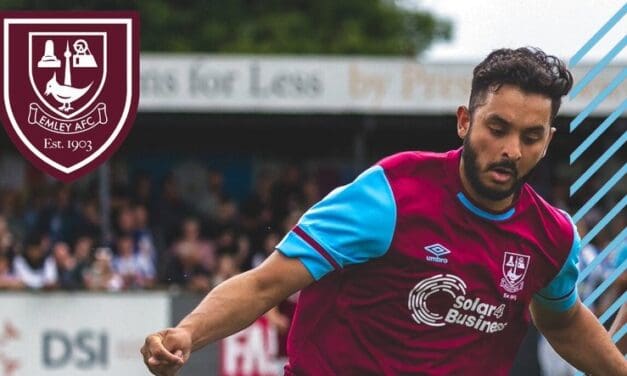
528 68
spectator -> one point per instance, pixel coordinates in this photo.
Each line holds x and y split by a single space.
90 221
311 194
6 240
126 221
144 238
8 280
34 268
227 217
172 210
191 238
60 217
69 276
142 190
256 211
287 193
136 271
83 255
227 242
214 195
186 269
100 275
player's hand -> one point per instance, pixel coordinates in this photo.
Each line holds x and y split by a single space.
166 351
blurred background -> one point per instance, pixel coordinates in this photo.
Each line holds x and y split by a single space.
250 112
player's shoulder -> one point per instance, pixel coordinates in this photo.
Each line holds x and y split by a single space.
552 217
413 162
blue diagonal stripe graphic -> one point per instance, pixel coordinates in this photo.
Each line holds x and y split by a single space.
598 68
618 240
603 286
616 337
613 308
604 221
596 165
620 77
613 181
598 132
597 36
600 193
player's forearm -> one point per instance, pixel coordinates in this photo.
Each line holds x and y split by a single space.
619 321
230 307
585 344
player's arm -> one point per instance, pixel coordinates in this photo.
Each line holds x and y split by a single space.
619 322
230 307
351 225
570 327
579 338
236 303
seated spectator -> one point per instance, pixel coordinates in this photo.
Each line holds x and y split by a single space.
287 192
60 217
145 245
34 267
142 189
191 237
90 221
311 194
100 275
70 277
171 210
8 280
208 200
186 270
135 272
6 240
227 217
125 223
83 254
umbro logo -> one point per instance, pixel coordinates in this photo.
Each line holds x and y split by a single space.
437 250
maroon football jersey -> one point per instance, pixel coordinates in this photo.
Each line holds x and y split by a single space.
413 278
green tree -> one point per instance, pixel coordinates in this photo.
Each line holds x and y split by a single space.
374 27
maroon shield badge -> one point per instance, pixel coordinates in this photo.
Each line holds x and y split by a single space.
70 86
514 269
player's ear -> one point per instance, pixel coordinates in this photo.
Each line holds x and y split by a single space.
463 121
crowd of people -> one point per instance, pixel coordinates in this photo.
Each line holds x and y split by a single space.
162 234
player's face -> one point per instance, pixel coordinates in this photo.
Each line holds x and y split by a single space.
504 140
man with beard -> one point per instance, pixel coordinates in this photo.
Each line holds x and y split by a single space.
428 263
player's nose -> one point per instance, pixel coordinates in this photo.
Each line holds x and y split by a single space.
512 149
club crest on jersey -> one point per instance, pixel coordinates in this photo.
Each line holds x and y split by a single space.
514 269
70 86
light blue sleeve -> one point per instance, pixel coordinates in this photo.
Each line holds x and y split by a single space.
561 293
351 225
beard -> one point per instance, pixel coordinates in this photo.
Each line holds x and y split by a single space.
472 171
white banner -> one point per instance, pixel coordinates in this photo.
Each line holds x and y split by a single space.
225 83
77 334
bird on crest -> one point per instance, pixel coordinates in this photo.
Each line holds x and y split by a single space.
64 94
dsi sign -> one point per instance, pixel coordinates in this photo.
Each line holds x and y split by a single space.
83 349
93 334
